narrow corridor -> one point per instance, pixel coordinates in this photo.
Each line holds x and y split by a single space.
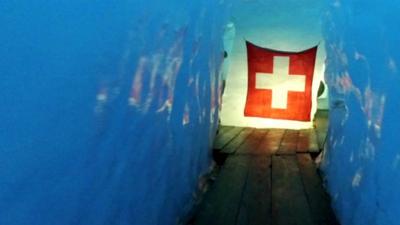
109 111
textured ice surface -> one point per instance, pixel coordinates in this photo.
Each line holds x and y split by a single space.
362 163
107 108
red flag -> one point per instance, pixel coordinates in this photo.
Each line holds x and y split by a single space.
279 83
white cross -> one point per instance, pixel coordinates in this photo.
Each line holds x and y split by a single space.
280 82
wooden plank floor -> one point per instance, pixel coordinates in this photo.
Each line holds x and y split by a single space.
268 178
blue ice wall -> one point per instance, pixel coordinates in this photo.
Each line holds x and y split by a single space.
362 165
107 108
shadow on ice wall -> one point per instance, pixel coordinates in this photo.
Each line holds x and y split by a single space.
362 163
107 109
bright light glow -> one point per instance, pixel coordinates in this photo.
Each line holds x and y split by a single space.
287 33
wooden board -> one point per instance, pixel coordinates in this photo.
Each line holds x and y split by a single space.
253 189
289 142
252 142
271 142
222 202
307 141
289 203
225 136
255 208
318 199
237 141
224 129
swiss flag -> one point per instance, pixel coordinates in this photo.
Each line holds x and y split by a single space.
279 83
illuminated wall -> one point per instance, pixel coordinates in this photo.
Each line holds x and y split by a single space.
288 25
107 109
362 165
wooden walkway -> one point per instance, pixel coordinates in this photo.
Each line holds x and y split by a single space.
267 178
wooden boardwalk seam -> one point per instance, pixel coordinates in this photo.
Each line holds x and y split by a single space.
268 178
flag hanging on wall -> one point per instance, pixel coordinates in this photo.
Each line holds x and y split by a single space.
279 83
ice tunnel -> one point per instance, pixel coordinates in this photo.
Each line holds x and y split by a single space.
109 111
